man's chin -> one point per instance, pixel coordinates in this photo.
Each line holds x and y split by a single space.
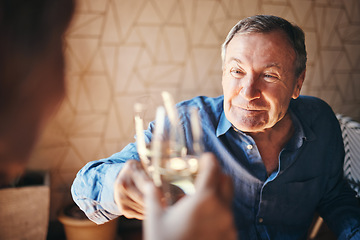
248 129
249 125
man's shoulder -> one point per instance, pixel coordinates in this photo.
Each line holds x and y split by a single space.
208 106
310 103
204 102
311 109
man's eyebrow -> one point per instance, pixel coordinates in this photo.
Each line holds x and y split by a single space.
235 60
276 65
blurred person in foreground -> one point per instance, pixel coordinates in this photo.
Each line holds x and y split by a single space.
31 89
31 76
283 151
205 215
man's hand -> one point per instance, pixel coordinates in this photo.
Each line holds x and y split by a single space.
128 195
205 215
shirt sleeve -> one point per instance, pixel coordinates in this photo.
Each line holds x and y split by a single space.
93 187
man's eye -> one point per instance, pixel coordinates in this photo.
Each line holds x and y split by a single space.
271 77
236 73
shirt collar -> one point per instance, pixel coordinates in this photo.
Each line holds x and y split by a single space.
223 126
302 130
296 141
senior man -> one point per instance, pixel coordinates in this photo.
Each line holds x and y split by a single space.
284 152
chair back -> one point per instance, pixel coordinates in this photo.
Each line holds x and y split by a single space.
351 137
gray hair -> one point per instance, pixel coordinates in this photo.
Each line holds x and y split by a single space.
268 23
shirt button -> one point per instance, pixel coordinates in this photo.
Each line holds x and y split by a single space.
249 147
260 220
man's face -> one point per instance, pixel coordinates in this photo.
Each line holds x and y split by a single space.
259 80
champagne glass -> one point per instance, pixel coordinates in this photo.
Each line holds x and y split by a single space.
179 164
172 158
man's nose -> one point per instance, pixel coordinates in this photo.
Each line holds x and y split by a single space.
250 87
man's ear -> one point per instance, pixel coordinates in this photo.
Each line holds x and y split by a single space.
298 85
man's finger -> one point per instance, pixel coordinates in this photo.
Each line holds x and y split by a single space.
131 180
131 213
128 189
139 176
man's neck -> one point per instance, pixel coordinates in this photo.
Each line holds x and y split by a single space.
279 134
271 141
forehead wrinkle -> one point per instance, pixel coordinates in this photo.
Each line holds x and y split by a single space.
269 65
234 59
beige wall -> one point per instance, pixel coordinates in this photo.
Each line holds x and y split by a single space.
123 51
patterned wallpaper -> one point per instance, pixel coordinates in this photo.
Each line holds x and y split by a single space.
124 51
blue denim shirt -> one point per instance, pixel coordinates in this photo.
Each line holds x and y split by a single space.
280 206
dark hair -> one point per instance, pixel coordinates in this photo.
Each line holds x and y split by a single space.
268 23
29 24
31 71
27 28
